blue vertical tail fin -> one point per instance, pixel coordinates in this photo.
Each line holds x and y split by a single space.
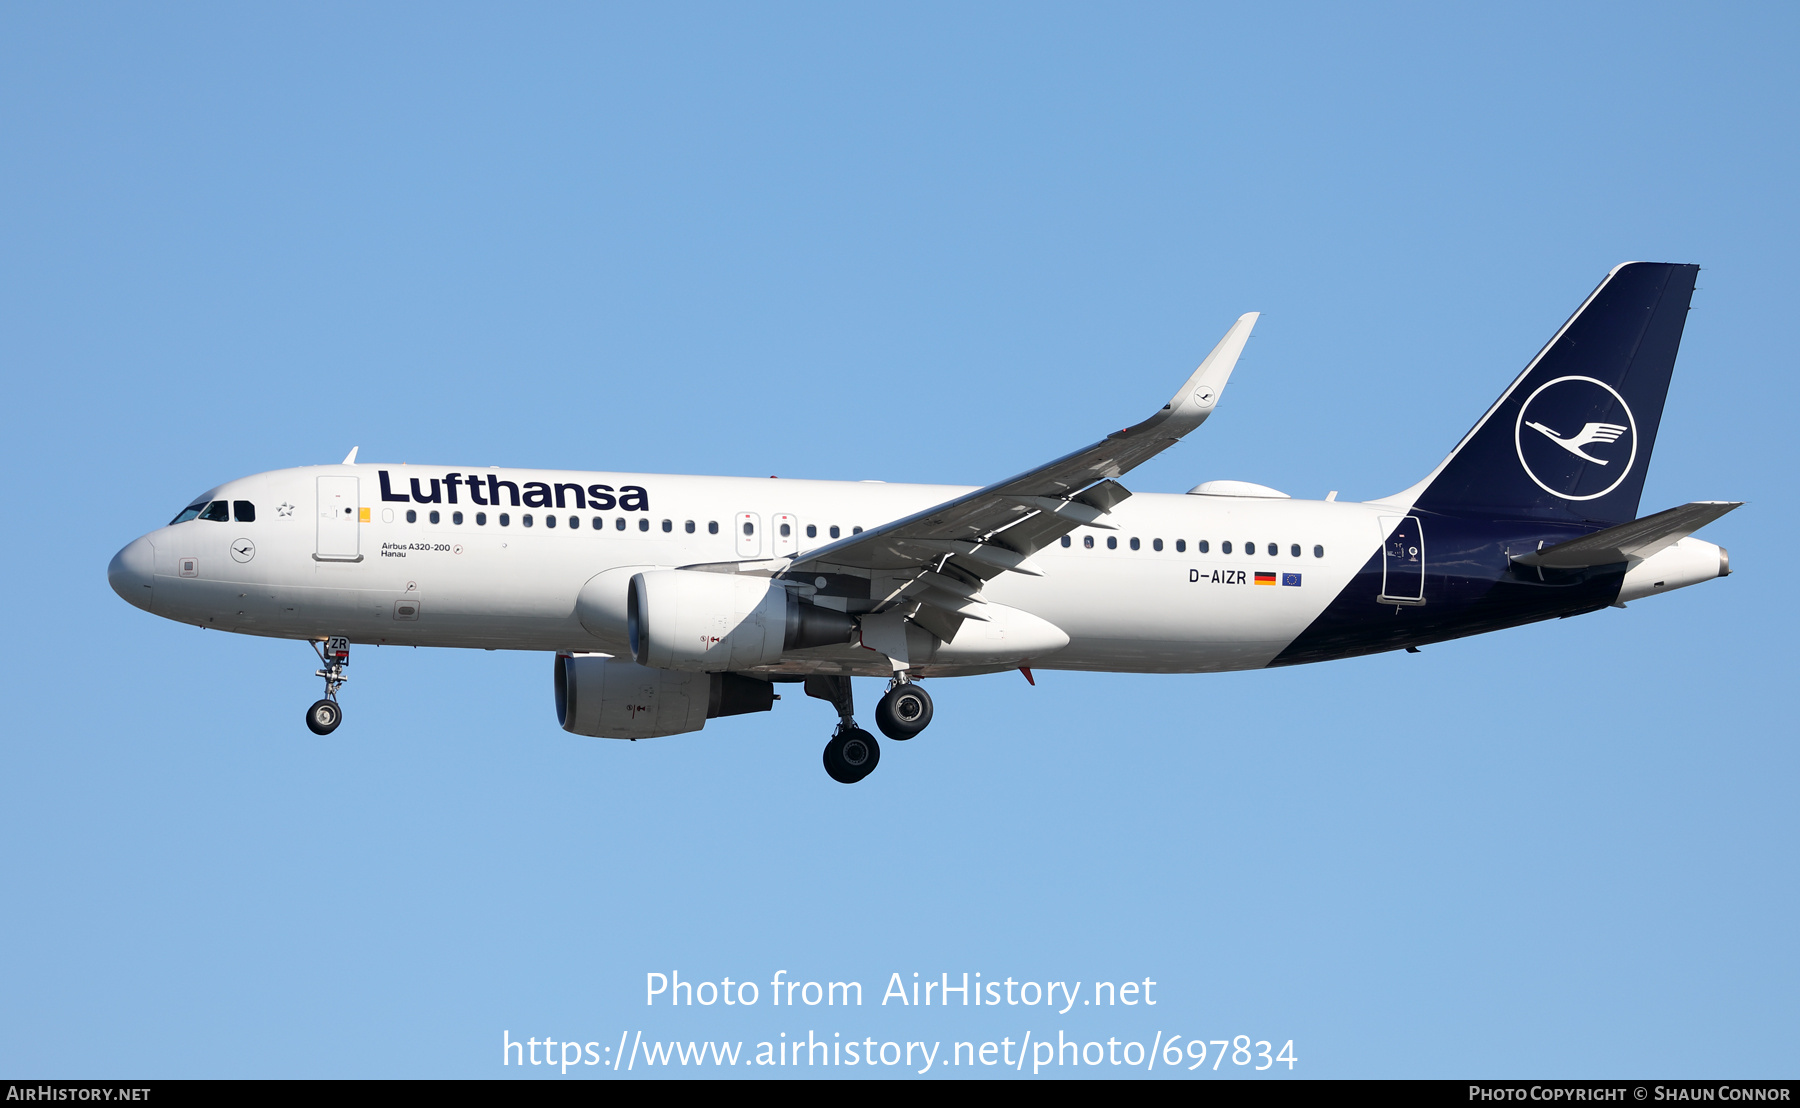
1571 438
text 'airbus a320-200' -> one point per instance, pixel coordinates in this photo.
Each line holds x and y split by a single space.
670 600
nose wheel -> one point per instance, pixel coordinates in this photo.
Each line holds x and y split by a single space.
325 715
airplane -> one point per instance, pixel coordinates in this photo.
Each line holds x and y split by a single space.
671 600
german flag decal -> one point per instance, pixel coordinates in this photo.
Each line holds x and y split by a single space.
1265 578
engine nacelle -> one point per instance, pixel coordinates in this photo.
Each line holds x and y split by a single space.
601 606
691 620
612 698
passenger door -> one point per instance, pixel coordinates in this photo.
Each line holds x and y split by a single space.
1403 561
340 502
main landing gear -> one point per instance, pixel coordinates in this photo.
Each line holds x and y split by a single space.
852 754
324 716
904 711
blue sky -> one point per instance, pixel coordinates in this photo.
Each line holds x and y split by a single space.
932 243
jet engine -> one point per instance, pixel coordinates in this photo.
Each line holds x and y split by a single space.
692 620
612 698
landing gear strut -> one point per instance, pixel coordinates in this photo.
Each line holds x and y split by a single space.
324 716
852 754
904 711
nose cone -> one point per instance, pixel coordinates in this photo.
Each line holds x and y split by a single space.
130 572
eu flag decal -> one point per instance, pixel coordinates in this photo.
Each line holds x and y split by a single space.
1290 579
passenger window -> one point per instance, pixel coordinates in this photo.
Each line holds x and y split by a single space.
643 525
549 521
598 523
244 510
668 526
856 530
619 523
1181 546
456 518
1294 550
505 519
412 516
1065 542
787 531
1156 544
1134 543
218 512
434 516
1318 552
1112 542
574 523
689 526
812 530
1087 542
526 519
1203 547
749 528
834 530
712 526
1225 547
481 519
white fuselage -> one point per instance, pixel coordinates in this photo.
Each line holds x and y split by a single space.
305 570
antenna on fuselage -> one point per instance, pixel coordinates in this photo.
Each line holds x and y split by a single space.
350 458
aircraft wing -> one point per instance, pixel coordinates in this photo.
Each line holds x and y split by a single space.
941 557
1638 539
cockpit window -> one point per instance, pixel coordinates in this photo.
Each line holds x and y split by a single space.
218 512
192 511
244 511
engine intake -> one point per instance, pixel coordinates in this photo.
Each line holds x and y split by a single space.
712 622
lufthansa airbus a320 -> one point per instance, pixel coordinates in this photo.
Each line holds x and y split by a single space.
670 600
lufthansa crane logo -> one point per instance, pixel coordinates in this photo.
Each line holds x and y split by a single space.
1576 438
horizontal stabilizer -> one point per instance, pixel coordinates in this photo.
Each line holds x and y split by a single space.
1638 539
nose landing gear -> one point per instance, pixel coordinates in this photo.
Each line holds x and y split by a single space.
325 715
